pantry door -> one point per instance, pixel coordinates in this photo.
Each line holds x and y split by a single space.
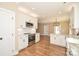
7 32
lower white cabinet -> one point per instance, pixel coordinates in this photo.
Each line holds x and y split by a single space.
37 37
59 40
23 41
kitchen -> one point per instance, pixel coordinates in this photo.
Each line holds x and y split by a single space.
26 28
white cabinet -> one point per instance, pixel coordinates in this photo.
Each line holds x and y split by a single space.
28 19
58 40
72 46
32 20
35 23
7 32
37 37
23 41
74 17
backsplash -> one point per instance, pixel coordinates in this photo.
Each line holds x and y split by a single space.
29 30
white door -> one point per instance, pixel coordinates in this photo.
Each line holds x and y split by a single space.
7 32
46 29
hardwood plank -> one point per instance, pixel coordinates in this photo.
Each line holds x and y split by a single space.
43 48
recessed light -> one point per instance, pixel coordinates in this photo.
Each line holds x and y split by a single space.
23 9
33 8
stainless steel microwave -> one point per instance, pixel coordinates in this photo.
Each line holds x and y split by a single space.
28 24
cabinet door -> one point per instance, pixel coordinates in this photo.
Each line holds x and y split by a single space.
28 19
37 37
23 41
7 32
56 40
36 23
60 40
63 41
76 16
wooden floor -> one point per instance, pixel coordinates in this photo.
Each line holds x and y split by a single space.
43 48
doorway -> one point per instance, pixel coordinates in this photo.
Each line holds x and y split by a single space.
46 27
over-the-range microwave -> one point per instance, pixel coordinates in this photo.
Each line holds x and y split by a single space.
28 24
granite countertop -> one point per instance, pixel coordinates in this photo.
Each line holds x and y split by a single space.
74 36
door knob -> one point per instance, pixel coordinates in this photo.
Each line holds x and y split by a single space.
0 38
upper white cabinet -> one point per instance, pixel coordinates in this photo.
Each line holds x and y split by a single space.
30 19
75 16
35 23
23 18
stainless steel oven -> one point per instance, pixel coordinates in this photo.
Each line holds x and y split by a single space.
31 39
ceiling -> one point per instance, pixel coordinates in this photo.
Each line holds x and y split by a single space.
46 10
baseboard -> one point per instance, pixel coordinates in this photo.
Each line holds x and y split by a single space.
45 34
41 34
15 53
